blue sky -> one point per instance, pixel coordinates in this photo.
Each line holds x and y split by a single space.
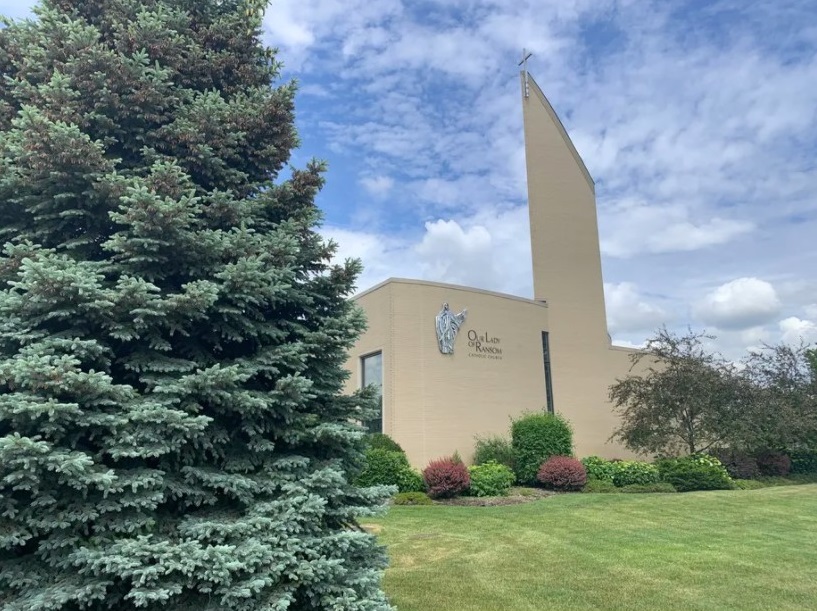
697 119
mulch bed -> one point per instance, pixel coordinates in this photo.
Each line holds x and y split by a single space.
516 497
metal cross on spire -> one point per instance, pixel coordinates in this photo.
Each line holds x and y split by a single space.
524 64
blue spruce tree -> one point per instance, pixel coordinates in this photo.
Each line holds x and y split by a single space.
172 333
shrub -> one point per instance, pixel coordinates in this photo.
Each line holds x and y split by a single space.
387 468
409 480
381 441
802 478
497 449
599 486
383 468
446 478
695 472
747 484
599 468
789 480
535 438
773 463
628 472
562 473
490 479
412 498
660 487
803 461
740 465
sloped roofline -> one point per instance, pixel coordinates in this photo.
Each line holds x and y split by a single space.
560 126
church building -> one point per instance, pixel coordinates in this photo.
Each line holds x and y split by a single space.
455 362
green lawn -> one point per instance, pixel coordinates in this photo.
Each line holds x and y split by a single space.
706 550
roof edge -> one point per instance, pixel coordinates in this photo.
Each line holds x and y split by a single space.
457 287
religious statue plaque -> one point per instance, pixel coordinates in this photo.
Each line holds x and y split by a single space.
448 325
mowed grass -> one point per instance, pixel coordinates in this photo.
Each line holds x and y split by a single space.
735 550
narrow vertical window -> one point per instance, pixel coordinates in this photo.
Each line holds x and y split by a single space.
548 377
372 368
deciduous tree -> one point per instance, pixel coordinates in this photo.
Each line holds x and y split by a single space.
684 398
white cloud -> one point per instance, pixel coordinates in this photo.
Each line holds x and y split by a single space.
487 250
378 186
634 227
629 311
794 330
698 127
461 256
739 304
623 343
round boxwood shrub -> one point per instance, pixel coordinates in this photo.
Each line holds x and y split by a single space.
599 468
409 480
629 472
381 441
562 473
446 478
696 472
534 439
497 449
412 498
490 479
383 468
388 468
773 463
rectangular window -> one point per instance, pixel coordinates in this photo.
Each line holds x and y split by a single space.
548 377
372 368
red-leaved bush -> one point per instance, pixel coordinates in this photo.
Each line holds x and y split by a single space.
562 473
446 478
773 463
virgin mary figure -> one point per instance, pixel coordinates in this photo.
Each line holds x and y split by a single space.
448 325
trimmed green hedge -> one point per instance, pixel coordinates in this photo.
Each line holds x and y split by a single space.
696 472
599 468
536 437
387 468
629 472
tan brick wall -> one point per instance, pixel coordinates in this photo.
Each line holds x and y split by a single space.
436 403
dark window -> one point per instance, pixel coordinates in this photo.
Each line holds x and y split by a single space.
548 377
372 368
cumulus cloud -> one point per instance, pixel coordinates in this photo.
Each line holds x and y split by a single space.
794 330
487 250
629 311
739 304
